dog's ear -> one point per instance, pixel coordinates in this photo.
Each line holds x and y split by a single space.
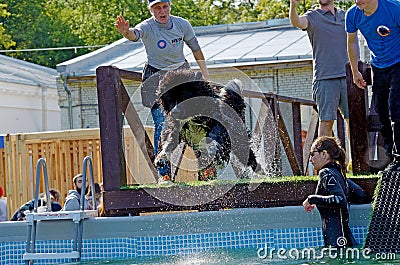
235 85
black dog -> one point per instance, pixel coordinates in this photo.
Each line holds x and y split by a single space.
209 117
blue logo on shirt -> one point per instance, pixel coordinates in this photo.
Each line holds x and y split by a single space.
162 44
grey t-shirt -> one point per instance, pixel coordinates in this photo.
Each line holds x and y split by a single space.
329 43
164 42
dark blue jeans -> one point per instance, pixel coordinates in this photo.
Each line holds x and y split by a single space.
158 119
386 91
150 79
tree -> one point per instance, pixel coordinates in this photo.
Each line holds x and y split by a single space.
80 23
5 39
272 9
93 21
34 24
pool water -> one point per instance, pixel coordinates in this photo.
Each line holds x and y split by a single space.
248 257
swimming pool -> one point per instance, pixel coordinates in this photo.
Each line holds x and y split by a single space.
181 236
238 257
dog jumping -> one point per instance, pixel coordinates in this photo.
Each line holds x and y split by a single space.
208 117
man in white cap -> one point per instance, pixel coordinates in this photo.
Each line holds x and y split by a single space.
73 199
163 36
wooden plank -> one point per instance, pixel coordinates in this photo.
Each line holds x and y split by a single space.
3 171
188 170
175 197
110 117
357 99
297 133
287 145
60 156
138 130
135 76
312 133
280 98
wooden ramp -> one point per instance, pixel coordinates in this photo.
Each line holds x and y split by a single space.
384 230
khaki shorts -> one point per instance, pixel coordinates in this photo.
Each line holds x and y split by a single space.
331 95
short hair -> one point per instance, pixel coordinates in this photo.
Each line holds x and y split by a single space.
55 193
97 189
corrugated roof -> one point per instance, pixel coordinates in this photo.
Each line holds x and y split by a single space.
237 44
21 72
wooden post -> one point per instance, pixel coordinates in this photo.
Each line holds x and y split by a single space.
297 136
358 99
111 132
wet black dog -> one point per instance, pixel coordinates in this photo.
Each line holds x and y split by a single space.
209 117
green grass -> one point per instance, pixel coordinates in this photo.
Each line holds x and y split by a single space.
375 196
273 180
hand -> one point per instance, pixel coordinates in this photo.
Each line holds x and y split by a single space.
122 25
359 80
307 206
295 3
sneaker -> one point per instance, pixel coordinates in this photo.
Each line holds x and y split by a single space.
164 180
164 170
393 166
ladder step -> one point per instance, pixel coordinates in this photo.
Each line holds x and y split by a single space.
61 215
36 256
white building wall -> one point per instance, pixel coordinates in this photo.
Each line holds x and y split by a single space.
26 108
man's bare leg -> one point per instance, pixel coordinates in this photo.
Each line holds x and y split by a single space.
325 128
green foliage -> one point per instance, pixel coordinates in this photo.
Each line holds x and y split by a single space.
271 9
5 39
93 21
36 24
44 24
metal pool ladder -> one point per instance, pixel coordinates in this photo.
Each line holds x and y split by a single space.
76 216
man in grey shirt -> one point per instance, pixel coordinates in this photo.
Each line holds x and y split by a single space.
73 199
325 27
163 37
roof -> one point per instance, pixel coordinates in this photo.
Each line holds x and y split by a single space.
270 41
21 72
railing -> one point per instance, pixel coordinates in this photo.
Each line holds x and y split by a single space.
114 105
131 162
64 153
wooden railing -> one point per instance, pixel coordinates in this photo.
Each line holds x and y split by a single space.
127 151
64 152
114 104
